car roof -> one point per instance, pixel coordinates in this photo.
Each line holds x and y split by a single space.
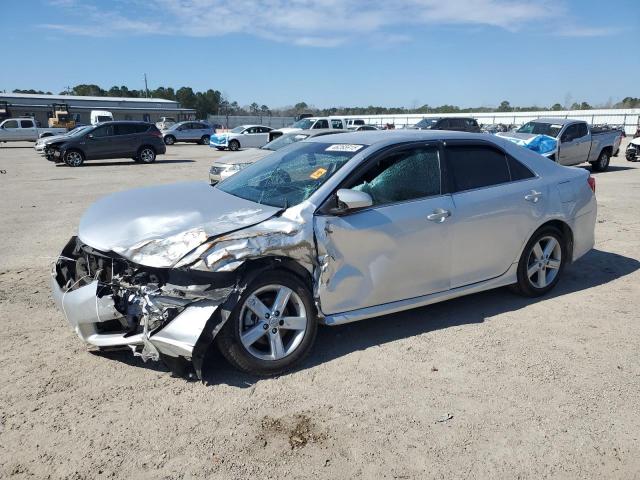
252 125
390 137
120 122
558 121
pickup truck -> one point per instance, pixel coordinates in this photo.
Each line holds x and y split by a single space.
310 123
25 129
568 142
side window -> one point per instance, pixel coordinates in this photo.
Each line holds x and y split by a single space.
10 124
252 130
103 131
141 128
581 130
125 128
406 175
336 124
476 167
263 130
26 123
518 171
570 133
321 124
443 124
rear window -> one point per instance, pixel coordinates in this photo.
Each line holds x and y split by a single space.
26 124
476 167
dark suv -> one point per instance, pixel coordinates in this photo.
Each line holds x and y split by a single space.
460 124
140 141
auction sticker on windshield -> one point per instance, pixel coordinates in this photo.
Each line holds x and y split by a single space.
318 173
343 147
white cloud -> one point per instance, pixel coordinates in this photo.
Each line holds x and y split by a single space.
327 23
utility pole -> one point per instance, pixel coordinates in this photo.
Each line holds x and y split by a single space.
146 88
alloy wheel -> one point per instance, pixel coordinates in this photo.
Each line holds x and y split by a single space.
147 155
74 159
273 322
545 259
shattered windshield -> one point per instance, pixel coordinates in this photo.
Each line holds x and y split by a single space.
540 128
289 176
284 140
304 124
426 123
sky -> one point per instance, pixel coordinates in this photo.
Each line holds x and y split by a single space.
331 52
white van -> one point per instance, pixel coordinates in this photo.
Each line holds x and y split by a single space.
99 116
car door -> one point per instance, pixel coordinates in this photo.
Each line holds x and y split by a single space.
497 200
12 130
582 143
28 130
125 139
182 132
399 248
321 123
569 147
99 142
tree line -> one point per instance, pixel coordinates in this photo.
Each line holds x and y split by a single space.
213 102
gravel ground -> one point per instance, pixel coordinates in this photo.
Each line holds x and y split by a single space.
487 386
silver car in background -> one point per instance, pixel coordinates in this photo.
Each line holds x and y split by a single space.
229 164
198 132
331 230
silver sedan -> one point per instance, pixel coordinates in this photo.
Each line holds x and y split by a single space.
328 230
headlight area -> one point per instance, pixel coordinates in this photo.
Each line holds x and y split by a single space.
160 314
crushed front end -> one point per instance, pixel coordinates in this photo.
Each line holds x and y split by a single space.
159 313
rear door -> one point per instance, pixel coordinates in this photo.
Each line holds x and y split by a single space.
28 130
125 139
497 200
400 247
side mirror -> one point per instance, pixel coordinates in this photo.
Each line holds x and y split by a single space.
352 199
90 136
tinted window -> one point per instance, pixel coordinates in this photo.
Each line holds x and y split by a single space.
401 176
442 124
321 124
518 171
571 133
264 129
26 124
126 128
476 167
103 131
336 124
581 130
11 124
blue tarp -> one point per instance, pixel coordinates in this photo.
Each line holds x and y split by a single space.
540 143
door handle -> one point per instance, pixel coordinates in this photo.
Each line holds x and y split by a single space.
439 215
533 196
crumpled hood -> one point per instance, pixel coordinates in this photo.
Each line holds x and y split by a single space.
519 136
635 141
157 226
542 144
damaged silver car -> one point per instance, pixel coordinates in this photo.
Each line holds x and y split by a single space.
328 230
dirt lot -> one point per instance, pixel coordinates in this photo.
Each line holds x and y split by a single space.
487 386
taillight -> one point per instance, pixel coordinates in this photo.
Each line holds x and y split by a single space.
592 183
156 133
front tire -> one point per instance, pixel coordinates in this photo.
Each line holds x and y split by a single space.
234 145
169 140
273 326
542 262
73 158
602 163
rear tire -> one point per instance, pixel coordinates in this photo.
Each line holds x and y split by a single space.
73 158
542 262
602 163
169 140
204 140
234 145
269 344
146 155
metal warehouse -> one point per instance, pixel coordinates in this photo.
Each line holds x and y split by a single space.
123 108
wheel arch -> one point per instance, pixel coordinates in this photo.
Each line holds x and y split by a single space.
565 229
270 263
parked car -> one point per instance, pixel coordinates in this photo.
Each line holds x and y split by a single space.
575 141
353 123
99 116
244 136
140 141
165 122
332 229
42 142
632 153
198 132
311 123
229 164
460 124
362 128
25 129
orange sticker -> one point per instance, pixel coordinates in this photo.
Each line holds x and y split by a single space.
318 173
